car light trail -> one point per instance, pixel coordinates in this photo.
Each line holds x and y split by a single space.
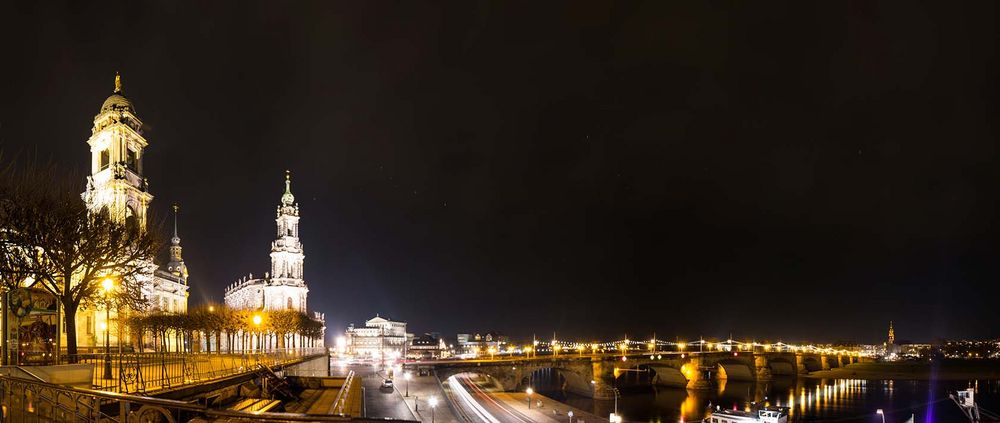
458 389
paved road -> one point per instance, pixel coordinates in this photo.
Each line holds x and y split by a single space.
379 403
477 402
480 400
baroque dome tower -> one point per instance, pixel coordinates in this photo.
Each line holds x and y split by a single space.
116 180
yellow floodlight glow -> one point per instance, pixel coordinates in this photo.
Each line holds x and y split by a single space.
108 284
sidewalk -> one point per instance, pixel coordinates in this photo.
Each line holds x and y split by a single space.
519 401
421 390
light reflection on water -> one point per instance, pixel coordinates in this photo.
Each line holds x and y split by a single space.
807 399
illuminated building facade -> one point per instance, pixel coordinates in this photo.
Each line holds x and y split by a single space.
116 183
380 339
283 288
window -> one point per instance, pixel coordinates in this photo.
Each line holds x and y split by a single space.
131 220
90 325
105 159
289 303
132 159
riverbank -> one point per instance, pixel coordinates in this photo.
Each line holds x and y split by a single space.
910 370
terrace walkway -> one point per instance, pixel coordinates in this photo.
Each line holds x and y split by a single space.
149 373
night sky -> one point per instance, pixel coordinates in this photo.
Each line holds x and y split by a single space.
781 172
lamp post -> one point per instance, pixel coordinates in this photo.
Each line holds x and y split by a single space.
107 285
433 402
881 414
529 391
407 376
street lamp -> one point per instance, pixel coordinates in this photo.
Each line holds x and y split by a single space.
529 391
433 402
107 285
257 319
407 376
881 413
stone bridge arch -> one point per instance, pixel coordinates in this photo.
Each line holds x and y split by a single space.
808 363
666 375
783 366
737 370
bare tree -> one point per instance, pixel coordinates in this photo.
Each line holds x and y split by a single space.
68 250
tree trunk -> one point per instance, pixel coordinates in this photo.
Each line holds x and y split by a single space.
70 310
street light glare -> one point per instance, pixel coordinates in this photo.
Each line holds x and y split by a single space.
108 284
257 319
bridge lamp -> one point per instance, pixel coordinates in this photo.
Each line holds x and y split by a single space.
880 413
529 391
681 346
433 402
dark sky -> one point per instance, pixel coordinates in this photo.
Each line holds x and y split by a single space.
794 171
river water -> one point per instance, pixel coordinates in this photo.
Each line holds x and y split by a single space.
808 399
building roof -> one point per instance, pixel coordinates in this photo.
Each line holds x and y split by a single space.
117 101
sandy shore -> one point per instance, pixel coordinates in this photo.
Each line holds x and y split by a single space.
946 370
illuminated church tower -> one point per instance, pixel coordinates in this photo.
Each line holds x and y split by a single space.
116 150
286 250
892 334
116 183
283 288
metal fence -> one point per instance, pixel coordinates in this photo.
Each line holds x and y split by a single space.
141 373
31 401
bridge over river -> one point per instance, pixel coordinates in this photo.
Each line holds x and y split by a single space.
595 375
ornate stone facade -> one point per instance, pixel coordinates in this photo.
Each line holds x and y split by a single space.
283 288
116 183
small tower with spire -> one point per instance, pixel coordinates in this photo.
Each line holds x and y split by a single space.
286 250
176 264
892 334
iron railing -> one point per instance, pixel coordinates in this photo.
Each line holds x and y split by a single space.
32 401
134 372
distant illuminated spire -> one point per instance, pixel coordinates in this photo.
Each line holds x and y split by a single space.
118 83
175 240
892 334
176 264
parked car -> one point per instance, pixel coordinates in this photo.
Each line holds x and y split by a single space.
387 384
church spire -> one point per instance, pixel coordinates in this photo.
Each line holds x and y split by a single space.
176 264
287 198
118 83
175 240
